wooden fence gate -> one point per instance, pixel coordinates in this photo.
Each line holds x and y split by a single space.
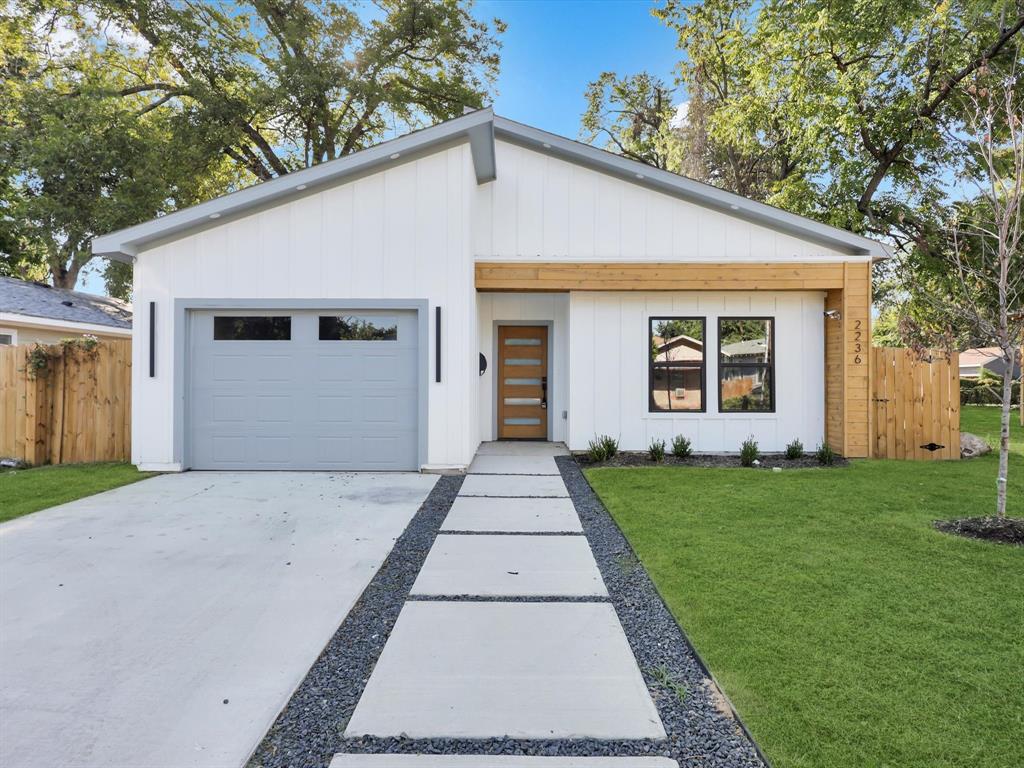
77 408
915 404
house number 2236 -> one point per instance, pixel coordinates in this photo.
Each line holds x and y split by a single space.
858 337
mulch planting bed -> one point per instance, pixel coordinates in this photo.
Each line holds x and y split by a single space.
767 461
1008 530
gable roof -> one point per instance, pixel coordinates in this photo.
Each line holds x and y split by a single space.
480 128
19 297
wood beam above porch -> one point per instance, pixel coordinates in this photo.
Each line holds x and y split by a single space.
546 276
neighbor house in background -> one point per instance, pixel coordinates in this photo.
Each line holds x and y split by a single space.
36 313
480 280
989 358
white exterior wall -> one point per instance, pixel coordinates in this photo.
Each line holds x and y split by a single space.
413 232
524 309
609 353
542 208
402 233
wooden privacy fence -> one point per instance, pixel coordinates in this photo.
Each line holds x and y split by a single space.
76 407
916 404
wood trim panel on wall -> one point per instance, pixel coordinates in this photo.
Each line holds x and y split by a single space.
662 276
848 364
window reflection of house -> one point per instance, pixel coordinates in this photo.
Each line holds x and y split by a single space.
738 382
676 378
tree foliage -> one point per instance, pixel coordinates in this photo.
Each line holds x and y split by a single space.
114 111
633 116
838 111
286 84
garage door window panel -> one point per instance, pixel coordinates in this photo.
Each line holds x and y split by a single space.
355 328
252 328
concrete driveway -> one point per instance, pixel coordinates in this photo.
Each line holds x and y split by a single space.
166 623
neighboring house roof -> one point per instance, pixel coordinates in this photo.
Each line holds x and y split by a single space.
990 358
34 300
679 349
480 129
748 348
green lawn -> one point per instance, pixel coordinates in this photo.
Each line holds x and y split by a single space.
844 628
29 490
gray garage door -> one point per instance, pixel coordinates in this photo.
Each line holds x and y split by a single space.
309 389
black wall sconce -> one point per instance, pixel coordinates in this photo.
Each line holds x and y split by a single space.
483 364
152 339
437 344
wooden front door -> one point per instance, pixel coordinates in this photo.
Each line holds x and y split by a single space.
523 382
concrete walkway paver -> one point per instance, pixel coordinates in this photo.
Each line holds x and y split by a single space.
513 465
523 670
507 668
514 486
504 515
510 566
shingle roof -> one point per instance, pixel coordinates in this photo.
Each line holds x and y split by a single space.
35 300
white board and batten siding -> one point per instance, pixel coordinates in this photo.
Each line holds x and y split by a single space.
609 353
403 233
545 209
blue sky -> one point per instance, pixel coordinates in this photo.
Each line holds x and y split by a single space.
554 48
551 51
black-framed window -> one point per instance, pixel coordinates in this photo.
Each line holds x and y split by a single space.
354 328
676 380
746 364
252 328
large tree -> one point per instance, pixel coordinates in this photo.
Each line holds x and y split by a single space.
117 110
845 106
839 111
287 84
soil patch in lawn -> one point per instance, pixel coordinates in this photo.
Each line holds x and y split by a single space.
767 461
1009 530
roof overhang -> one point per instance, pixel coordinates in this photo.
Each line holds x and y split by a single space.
475 127
480 129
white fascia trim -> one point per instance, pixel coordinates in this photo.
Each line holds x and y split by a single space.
679 186
47 323
475 127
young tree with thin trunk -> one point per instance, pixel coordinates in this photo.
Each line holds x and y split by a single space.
983 288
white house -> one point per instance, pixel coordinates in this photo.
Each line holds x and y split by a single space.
482 280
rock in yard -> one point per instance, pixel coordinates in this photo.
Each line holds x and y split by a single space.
972 446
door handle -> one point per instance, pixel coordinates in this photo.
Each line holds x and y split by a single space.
544 392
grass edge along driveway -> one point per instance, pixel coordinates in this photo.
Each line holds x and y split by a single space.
29 490
845 629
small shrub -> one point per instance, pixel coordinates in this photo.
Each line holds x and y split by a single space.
824 454
657 450
681 446
749 452
602 448
795 450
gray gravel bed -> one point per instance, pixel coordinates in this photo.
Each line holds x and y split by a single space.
702 727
